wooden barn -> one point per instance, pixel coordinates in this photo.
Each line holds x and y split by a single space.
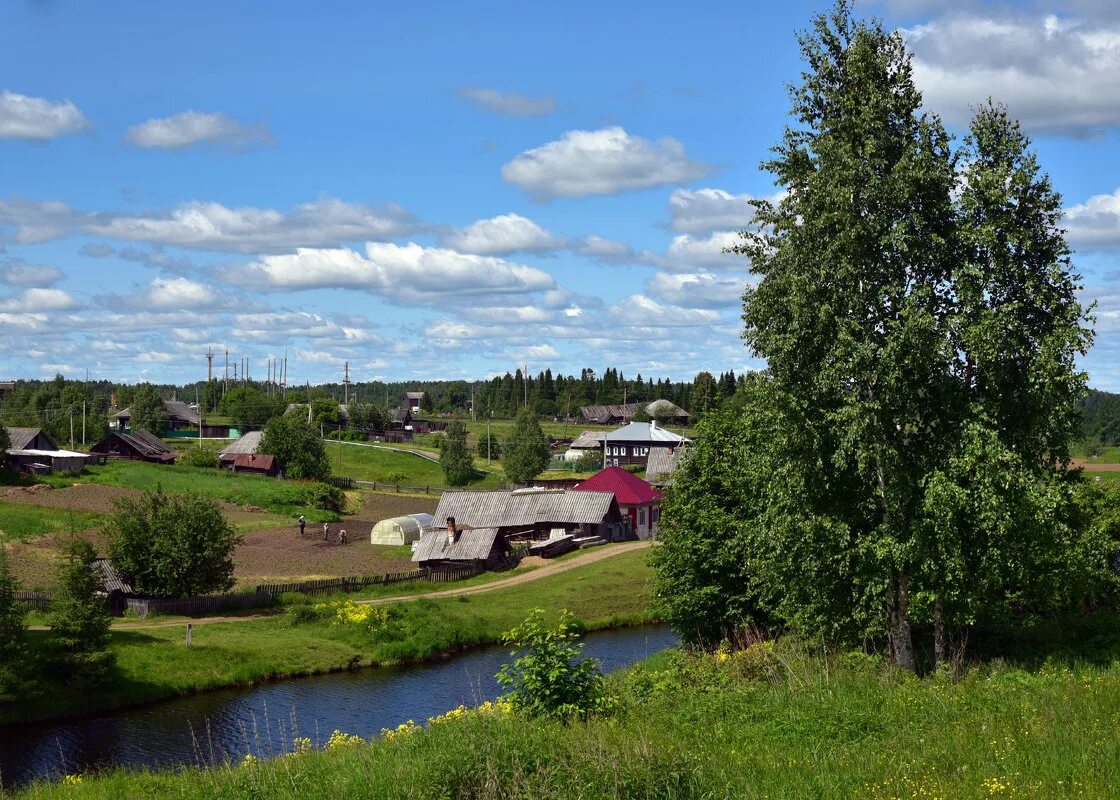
249 444
32 450
485 548
536 513
138 445
620 414
413 401
255 464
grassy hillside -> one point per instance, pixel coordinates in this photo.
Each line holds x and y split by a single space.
773 721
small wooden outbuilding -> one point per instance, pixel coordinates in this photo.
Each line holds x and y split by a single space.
138 445
255 464
484 548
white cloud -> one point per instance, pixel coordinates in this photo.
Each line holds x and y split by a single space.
502 235
1056 75
688 252
408 273
511 104
22 322
213 226
23 117
17 273
39 221
606 161
706 210
1095 224
178 293
535 353
696 289
192 127
38 300
642 312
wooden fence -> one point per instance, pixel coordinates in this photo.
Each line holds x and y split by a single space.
359 582
35 601
186 606
380 486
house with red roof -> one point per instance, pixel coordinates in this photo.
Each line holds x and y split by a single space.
638 500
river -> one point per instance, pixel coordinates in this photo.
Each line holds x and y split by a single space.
263 720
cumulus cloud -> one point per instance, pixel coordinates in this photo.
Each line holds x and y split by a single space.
178 293
502 235
1095 224
17 273
1057 75
535 352
687 252
706 210
213 226
97 250
512 104
37 300
696 289
39 221
191 128
643 312
606 161
410 273
23 117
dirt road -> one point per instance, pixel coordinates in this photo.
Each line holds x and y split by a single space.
551 568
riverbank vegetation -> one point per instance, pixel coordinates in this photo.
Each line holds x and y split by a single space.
772 720
154 663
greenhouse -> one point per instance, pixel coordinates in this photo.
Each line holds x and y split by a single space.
400 530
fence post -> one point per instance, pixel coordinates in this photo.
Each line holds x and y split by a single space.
189 630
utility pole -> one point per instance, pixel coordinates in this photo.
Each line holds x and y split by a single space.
199 416
71 427
525 383
340 448
84 421
209 365
346 384
488 436
225 387
472 401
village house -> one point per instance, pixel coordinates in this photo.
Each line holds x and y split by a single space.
661 410
535 513
632 443
483 548
247 444
586 442
32 450
180 416
138 445
637 499
661 464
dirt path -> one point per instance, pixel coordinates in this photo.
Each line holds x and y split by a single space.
552 568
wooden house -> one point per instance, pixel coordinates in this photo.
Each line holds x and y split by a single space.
249 444
536 513
138 445
662 462
637 499
485 548
661 410
32 450
255 464
180 416
631 444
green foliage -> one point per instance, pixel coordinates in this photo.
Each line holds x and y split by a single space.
16 664
5 442
325 411
548 678
297 447
902 460
525 454
1100 419
454 457
251 408
365 417
489 446
705 395
79 622
324 496
173 545
591 461
148 412
199 457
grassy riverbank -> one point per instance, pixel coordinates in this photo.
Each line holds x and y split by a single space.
771 722
153 663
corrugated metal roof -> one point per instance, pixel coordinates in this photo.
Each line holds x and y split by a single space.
524 507
473 544
111 580
254 461
642 432
627 487
248 443
661 462
603 414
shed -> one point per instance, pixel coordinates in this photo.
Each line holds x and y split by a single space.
29 439
535 512
249 444
482 547
400 530
139 445
257 464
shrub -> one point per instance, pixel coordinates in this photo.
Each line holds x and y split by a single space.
549 679
325 496
200 457
591 461
392 477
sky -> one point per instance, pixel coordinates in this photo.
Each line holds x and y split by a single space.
450 190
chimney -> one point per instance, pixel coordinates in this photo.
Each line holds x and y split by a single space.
653 424
452 534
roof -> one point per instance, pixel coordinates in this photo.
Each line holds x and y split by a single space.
49 453
588 440
627 487
472 544
111 580
400 415
524 507
20 438
658 408
665 409
180 410
144 442
248 443
643 432
414 395
662 461
254 461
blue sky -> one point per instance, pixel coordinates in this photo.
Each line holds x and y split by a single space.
450 190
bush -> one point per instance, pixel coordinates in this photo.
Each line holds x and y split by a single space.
324 496
591 461
550 679
392 477
200 457
297 447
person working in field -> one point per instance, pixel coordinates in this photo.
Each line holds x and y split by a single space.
302 525
342 536
326 531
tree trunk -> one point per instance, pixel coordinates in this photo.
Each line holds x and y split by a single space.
940 642
902 642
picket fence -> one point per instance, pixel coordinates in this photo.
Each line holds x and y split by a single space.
35 601
359 582
185 606
380 486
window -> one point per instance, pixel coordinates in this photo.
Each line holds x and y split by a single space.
641 517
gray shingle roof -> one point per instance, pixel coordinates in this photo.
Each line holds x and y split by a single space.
473 544
662 461
19 438
588 440
249 443
180 410
111 580
524 507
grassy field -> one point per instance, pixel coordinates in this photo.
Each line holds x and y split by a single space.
20 522
152 663
395 466
774 721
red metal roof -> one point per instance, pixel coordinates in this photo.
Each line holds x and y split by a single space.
628 488
254 461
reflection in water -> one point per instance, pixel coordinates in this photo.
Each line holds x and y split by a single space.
263 720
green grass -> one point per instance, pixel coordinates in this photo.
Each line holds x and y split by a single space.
277 496
19 522
152 663
393 466
780 721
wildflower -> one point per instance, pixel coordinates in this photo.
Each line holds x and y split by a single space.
339 739
72 780
250 760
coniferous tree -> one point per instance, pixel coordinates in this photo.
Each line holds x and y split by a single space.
79 621
454 457
16 667
525 454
